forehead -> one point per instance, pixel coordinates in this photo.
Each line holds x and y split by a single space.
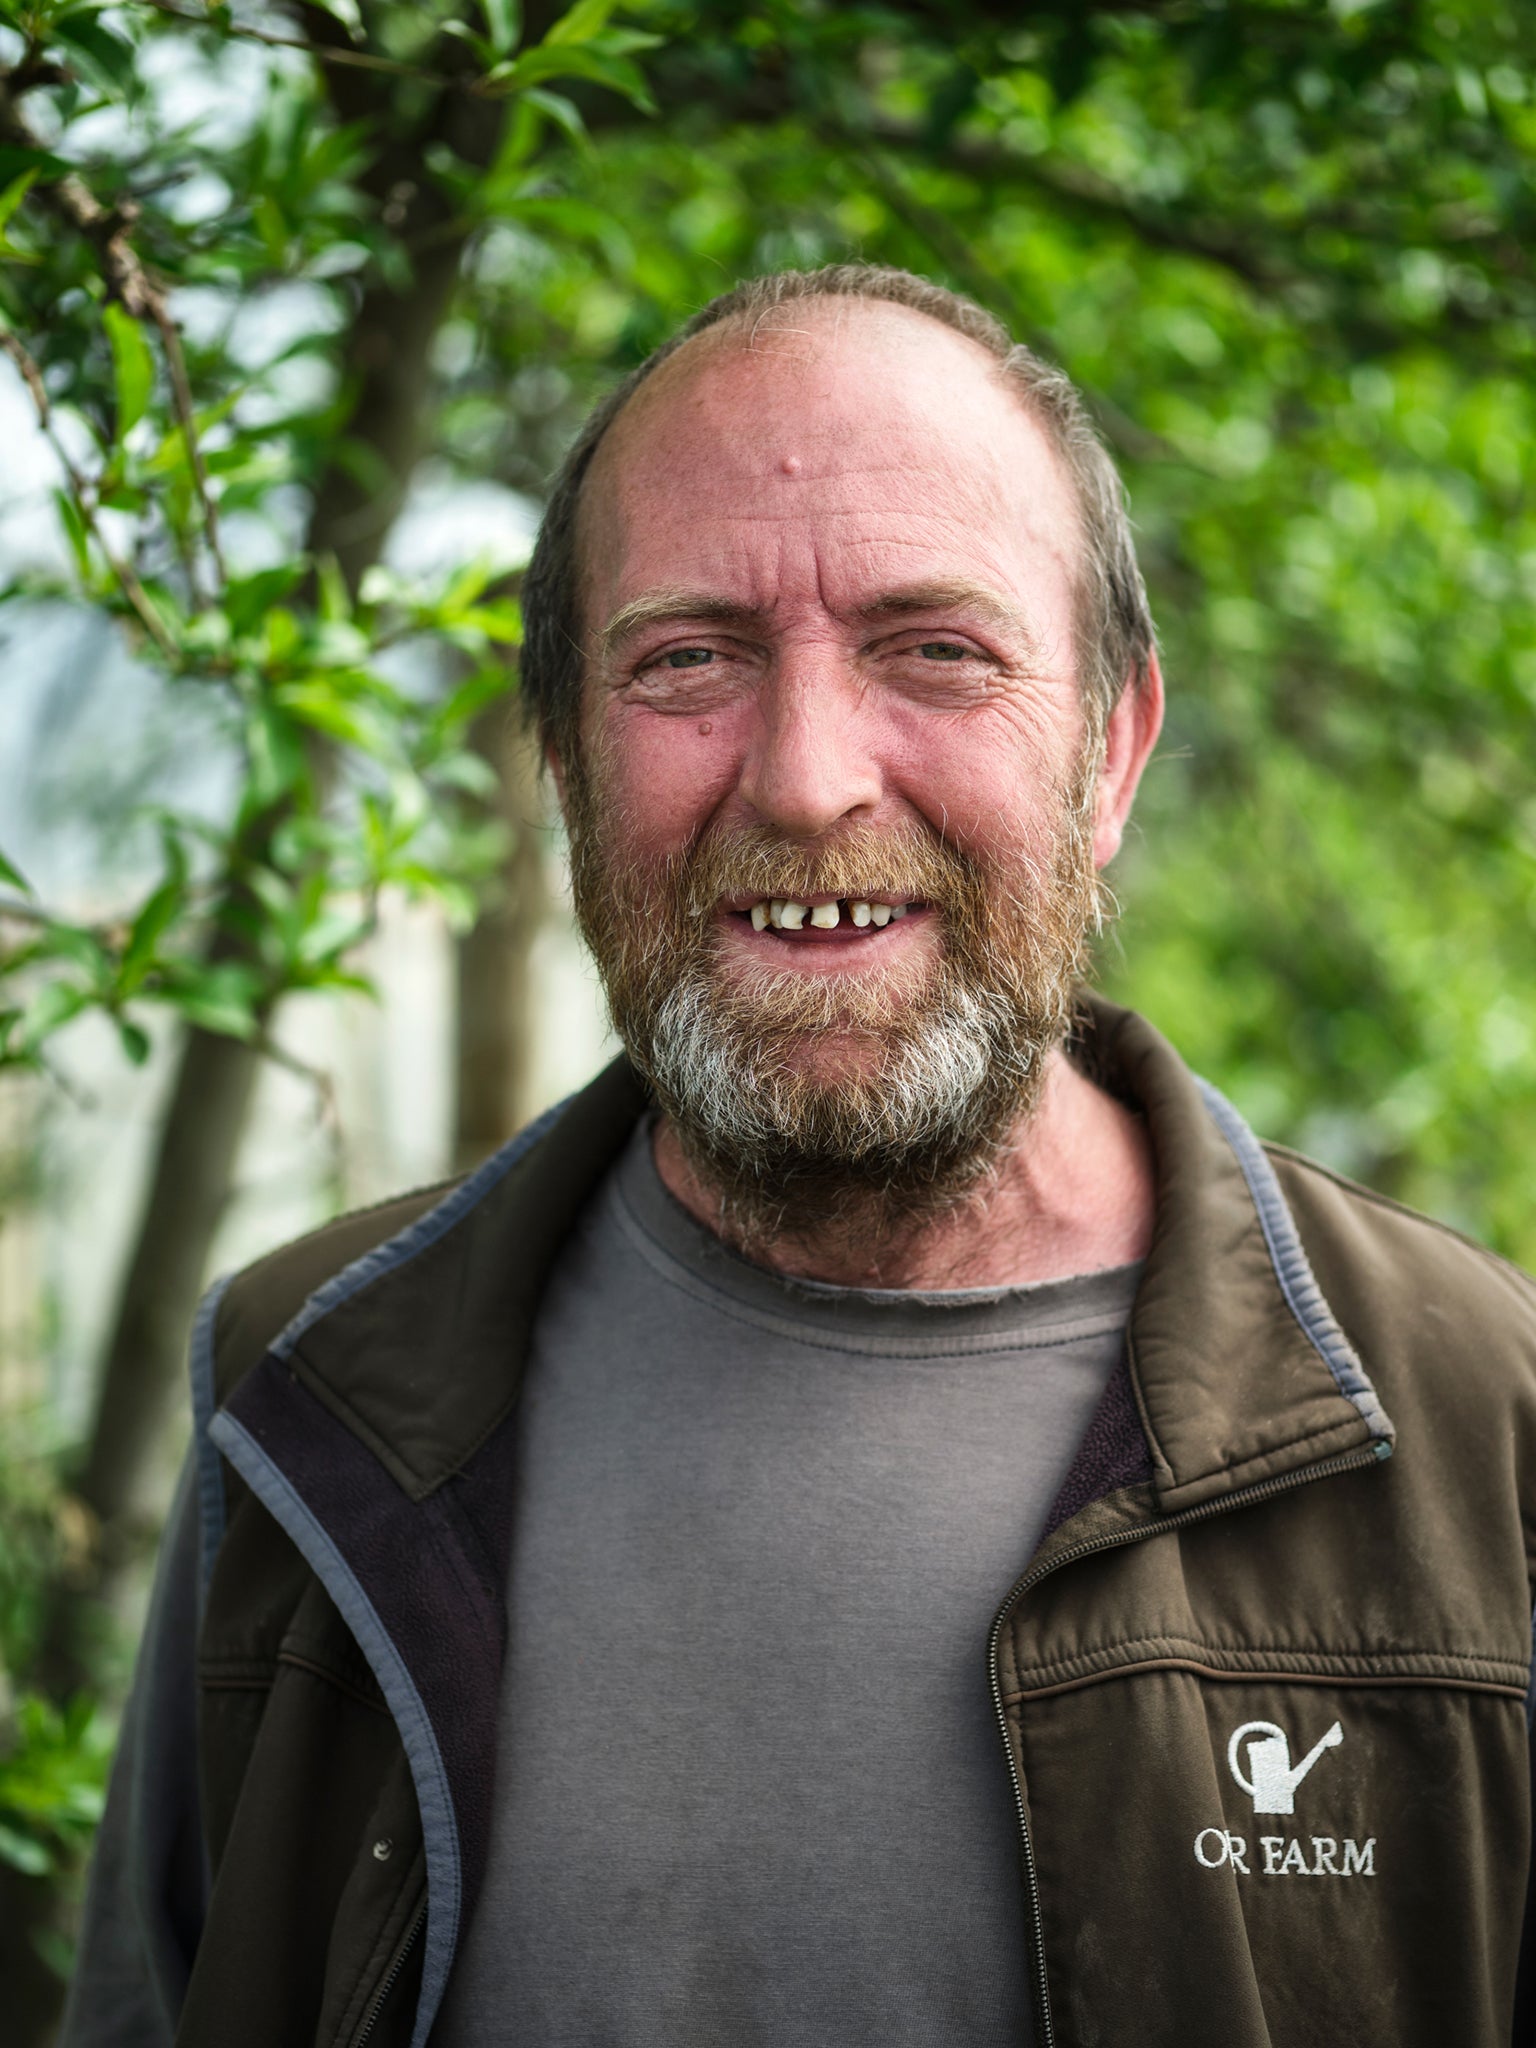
833 442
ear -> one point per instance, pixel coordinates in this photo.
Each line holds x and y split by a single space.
1134 725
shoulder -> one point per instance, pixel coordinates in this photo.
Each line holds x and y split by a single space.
258 1303
1417 1298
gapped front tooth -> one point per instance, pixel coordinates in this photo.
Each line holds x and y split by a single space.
898 910
759 916
792 916
825 917
880 913
776 914
859 912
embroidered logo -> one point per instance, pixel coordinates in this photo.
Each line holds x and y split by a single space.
1272 1777
1259 1758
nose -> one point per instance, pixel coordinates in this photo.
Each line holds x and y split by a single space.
811 761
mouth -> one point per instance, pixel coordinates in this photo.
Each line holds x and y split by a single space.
802 921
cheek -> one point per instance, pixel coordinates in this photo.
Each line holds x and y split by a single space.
668 776
991 784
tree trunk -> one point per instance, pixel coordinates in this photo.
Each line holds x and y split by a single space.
387 367
498 1013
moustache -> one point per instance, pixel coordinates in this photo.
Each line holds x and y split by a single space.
899 862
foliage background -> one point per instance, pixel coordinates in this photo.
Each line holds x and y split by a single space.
264 268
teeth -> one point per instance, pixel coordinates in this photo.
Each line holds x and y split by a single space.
785 915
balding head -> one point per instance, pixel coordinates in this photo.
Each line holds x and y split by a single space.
790 324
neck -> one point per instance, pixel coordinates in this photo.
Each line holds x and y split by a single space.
1072 1192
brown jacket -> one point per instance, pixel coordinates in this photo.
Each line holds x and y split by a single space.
1262 1692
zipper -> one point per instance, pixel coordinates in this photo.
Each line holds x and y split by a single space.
402 1955
1263 1489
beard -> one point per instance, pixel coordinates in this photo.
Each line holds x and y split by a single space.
864 1102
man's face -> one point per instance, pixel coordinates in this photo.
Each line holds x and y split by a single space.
834 820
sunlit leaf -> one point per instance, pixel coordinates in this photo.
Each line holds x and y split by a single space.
55 1004
12 196
24 1852
504 19
133 365
347 12
581 22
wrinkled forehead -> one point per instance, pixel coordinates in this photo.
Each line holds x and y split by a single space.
834 394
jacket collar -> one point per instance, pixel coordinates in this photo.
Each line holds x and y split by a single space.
1240 1369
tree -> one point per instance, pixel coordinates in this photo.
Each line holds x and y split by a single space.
1285 247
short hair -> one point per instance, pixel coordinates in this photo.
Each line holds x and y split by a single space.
1114 622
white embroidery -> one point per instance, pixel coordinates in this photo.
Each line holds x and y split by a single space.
1272 1777
1285 1857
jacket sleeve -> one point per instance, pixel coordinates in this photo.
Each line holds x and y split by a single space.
148 1882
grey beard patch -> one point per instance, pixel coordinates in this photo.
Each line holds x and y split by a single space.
785 1155
952 1064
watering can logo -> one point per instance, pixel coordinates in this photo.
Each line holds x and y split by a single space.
1272 1778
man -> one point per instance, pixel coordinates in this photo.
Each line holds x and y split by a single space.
877 1522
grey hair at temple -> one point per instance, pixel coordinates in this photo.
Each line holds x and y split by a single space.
1115 632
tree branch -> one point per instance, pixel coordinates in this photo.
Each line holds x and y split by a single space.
323 53
107 229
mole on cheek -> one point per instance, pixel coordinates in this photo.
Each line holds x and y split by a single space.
790 465
706 728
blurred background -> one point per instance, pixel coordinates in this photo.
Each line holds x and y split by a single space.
299 305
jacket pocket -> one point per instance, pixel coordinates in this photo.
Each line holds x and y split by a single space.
1277 1860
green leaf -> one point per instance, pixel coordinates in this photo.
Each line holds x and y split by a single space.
12 197
585 20
248 598
574 61
149 927
275 756
333 933
220 999
356 725
41 162
335 598
347 13
55 1003
9 872
102 55
470 698
133 365
135 1041
468 772
565 113
24 1852
504 19
76 532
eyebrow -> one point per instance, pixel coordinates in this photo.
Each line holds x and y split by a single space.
668 607
975 598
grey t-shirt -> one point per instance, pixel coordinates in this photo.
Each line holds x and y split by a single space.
750 1785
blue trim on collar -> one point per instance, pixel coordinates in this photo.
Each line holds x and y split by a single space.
406 1244
440 1838
1298 1283
211 1510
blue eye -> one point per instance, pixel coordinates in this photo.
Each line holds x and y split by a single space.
941 650
689 657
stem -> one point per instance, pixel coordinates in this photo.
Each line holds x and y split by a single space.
356 60
181 393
